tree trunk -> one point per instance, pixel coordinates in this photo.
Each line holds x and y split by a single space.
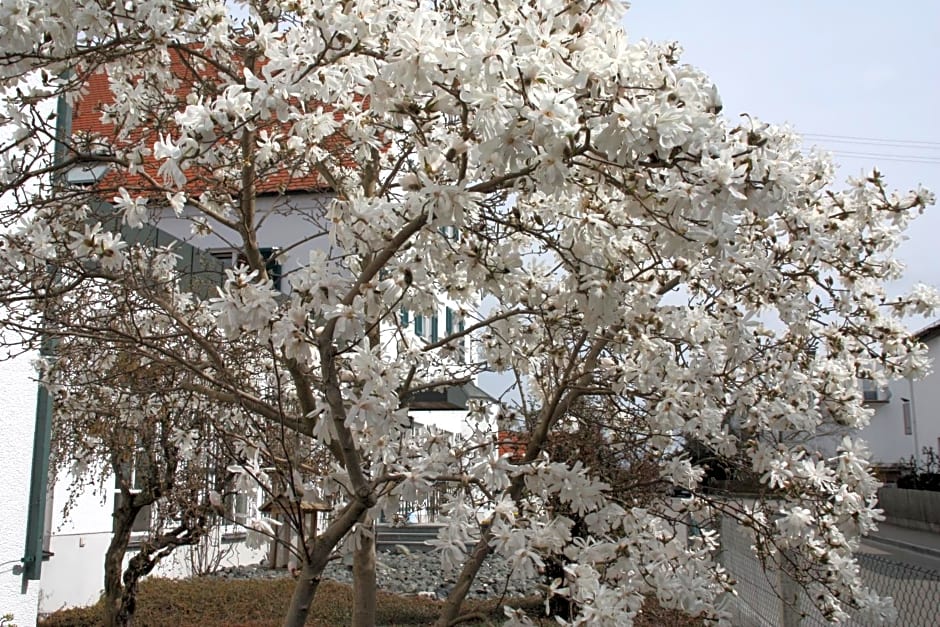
304 591
559 607
116 614
549 414
318 555
471 567
364 587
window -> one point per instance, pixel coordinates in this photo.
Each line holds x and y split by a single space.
132 475
450 232
237 507
91 161
873 393
231 258
463 352
429 328
450 327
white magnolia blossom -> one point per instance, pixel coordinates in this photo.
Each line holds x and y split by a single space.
628 244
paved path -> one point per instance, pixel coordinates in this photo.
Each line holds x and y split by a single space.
924 543
915 582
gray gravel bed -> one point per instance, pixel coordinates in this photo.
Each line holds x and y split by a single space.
410 572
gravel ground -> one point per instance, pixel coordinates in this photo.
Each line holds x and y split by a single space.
410 572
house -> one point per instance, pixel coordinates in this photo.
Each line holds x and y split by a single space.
288 202
906 416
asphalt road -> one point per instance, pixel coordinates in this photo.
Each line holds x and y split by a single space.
923 560
911 578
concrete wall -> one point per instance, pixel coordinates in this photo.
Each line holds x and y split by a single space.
17 421
915 509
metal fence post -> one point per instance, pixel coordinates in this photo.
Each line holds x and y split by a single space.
789 591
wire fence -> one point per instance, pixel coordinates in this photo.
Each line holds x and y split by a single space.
767 596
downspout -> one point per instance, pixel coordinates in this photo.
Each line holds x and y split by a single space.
910 383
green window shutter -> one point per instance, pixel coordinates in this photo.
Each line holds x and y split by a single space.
271 266
450 232
462 356
434 328
419 325
448 321
404 317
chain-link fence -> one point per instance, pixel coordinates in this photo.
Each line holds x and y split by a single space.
763 588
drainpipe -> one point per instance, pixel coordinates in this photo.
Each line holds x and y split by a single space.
910 384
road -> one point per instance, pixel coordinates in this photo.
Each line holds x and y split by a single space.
923 560
911 578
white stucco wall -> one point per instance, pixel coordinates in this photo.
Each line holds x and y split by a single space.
926 403
283 226
885 435
454 421
74 576
80 539
17 425
17 422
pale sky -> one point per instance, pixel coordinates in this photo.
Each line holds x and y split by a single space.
844 69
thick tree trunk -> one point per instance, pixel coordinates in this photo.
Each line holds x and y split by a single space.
115 610
139 566
318 556
364 586
118 612
548 416
304 592
471 567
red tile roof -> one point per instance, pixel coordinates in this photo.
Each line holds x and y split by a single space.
87 122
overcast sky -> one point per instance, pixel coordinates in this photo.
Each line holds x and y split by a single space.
837 68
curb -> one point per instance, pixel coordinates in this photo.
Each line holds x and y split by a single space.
916 548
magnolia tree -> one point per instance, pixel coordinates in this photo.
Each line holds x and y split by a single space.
699 273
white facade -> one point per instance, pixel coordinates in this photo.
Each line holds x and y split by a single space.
17 422
452 420
283 224
74 575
